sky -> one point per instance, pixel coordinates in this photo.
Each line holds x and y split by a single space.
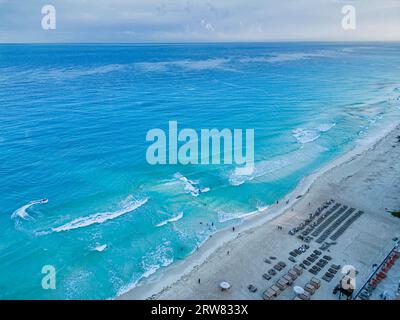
130 21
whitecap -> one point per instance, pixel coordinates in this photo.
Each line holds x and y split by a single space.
100 248
190 186
178 217
98 218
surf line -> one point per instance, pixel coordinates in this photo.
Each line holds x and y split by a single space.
186 146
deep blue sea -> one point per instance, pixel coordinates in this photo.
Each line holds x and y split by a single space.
73 124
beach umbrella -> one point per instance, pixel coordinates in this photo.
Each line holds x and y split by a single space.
298 290
224 285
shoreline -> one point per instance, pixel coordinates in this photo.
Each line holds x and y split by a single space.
165 279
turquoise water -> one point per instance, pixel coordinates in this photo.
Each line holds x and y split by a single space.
73 124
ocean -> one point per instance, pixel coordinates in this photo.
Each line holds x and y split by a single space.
77 192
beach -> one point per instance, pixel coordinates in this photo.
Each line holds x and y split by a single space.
81 195
365 179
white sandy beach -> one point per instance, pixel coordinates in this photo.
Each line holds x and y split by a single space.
366 179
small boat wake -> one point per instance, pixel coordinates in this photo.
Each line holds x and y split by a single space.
22 212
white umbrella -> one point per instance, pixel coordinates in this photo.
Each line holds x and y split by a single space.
224 285
298 290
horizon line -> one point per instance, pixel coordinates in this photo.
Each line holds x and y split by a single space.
200 42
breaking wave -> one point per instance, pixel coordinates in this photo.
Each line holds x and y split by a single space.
309 135
225 216
97 218
178 217
190 185
277 167
161 257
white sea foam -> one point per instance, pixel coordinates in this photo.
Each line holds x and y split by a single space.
281 166
190 186
278 167
127 206
74 73
178 217
227 216
309 135
326 127
21 212
285 57
305 136
161 257
194 65
100 248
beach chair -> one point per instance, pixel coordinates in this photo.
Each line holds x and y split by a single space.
278 267
267 276
292 274
281 284
327 279
309 288
304 296
288 279
333 271
313 271
298 269
272 272
269 294
307 263
315 282
252 288
276 289
293 254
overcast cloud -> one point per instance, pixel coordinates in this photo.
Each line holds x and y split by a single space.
198 20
